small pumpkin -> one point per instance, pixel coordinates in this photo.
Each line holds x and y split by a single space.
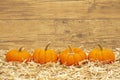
102 55
72 56
18 55
44 56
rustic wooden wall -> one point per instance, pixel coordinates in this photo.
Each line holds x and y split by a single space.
33 23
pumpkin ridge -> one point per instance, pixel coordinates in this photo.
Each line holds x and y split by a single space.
101 55
71 59
45 55
38 55
16 55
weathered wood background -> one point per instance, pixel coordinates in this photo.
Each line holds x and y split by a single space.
33 23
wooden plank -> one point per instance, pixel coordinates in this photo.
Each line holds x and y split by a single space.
90 32
33 23
57 9
16 27
37 33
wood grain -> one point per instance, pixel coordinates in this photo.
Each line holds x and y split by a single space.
34 23
37 33
57 9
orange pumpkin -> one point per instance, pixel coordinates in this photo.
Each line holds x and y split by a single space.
102 55
44 56
18 55
72 56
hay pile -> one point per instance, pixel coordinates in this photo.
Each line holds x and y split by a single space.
55 71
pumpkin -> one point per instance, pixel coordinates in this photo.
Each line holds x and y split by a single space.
72 56
18 55
101 54
43 56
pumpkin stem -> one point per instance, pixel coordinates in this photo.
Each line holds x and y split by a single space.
70 48
101 48
47 46
20 49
